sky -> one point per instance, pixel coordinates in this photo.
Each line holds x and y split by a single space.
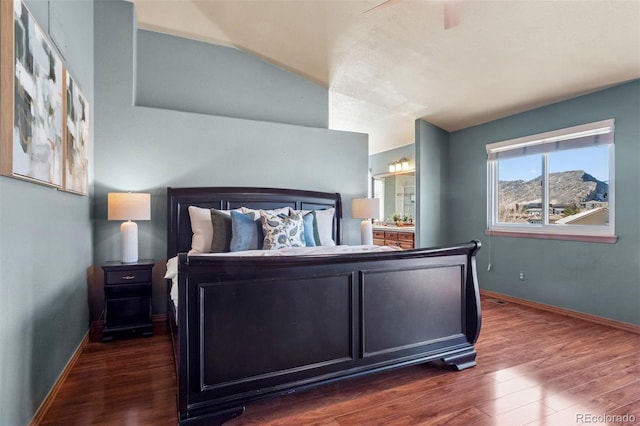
593 160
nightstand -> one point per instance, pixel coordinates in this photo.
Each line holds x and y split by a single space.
127 298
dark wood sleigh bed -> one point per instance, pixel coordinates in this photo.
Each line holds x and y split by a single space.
253 327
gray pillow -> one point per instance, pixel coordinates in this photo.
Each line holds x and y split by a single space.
221 241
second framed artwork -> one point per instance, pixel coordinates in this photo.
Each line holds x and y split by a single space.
44 118
76 145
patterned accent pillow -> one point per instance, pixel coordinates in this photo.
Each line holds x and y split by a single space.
256 213
282 231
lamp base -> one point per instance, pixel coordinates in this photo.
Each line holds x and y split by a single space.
129 233
366 232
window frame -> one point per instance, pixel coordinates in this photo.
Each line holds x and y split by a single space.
588 233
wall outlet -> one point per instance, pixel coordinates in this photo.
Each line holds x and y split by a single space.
521 276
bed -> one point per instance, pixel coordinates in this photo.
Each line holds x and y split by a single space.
252 327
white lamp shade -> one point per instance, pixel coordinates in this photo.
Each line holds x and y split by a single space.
128 206
365 208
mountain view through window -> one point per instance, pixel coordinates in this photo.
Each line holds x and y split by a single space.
578 188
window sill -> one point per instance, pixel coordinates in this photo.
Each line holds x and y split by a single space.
608 239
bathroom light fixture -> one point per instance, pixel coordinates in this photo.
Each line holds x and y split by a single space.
401 165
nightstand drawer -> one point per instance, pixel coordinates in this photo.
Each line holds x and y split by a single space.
128 276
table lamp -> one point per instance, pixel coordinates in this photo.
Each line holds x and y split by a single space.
129 206
367 209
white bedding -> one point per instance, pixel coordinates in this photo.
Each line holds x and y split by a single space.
172 264
305 251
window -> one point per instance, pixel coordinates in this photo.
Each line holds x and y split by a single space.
557 185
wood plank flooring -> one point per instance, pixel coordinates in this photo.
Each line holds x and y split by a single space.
534 368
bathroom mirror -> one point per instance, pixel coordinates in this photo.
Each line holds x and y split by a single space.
397 194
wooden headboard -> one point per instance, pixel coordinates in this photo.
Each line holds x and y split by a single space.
226 198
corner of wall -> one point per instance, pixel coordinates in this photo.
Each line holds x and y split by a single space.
432 184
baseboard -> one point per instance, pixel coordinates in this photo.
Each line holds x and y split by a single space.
44 407
632 328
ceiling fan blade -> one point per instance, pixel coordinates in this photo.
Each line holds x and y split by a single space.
451 13
381 5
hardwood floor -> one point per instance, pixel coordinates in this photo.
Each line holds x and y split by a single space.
124 382
534 368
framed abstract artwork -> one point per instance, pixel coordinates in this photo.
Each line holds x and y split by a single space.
76 144
32 100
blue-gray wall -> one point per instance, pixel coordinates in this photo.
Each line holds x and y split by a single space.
432 186
216 80
598 279
45 249
379 163
149 148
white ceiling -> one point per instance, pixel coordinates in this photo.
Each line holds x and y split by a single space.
387 67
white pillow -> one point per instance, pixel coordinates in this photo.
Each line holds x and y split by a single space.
325 226
202 229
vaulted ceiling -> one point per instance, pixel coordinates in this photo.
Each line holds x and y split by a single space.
387 67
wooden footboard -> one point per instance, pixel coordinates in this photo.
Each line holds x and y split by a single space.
250 328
